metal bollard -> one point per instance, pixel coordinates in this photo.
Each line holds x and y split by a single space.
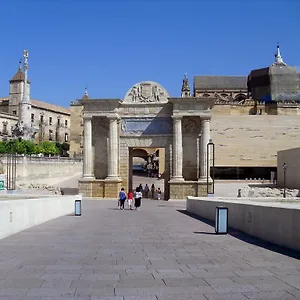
221 225
77 207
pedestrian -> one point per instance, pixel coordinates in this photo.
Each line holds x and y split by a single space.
137 198
152 190
130 199
122 198
141 188
146 190
158 193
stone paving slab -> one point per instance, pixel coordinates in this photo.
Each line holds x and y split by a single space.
157 253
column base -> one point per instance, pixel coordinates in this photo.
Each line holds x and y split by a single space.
112 178
87 178
177 179
204 179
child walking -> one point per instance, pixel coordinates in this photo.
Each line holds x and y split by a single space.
122 198
158 193
130 199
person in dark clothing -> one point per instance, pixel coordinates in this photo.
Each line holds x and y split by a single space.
152 190
146 190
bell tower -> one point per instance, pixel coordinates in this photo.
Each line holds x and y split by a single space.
185 88
20 97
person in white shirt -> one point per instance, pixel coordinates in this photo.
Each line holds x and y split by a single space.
137 198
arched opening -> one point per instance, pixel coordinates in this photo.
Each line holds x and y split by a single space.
240 97
206 95
146 166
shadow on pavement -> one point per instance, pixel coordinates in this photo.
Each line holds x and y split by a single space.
246 238
203 232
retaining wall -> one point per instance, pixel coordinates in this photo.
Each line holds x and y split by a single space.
276 222
19 214
30 168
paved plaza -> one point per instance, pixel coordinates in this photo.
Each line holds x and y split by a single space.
157 253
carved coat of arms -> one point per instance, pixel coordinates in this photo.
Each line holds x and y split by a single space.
146 92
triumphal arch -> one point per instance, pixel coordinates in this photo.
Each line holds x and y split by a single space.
146 117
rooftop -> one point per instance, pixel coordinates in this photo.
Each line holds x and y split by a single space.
220 82
45 105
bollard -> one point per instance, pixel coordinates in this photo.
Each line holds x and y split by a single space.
77 207
221 225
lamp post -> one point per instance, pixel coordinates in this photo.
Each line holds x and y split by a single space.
284 179
210 145
11 166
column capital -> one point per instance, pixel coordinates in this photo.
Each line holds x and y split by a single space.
113 118
87 117
205 119
175 117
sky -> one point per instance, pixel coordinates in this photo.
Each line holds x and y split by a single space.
111 45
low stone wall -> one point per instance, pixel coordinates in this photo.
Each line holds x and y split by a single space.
40 168
272 220
19 214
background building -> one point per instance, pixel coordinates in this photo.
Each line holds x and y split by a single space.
51 121
252 118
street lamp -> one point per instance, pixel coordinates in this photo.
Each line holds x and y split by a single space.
210 145
284 179
11 167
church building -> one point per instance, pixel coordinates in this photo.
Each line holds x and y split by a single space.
50 122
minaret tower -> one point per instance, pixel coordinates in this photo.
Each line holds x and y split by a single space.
185 89
24 128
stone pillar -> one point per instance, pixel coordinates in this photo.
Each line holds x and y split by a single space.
88 149
113 149
177 151
205 136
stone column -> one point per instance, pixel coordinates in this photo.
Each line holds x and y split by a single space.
205 136
113 149
177 151
88 149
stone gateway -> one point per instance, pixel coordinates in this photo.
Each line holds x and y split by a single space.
147 117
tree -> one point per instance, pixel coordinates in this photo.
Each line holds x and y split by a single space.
30 147
48 148
2 147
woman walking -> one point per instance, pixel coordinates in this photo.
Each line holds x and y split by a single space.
137 198
152 190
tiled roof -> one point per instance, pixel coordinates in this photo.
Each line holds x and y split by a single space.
259 72
52 107
44 105
220 82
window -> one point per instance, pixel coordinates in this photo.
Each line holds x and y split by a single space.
50 120
14 112
58 121
66 137
66 123
32 117
50 135
5 128
42 118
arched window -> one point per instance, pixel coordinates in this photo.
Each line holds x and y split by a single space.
240 97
